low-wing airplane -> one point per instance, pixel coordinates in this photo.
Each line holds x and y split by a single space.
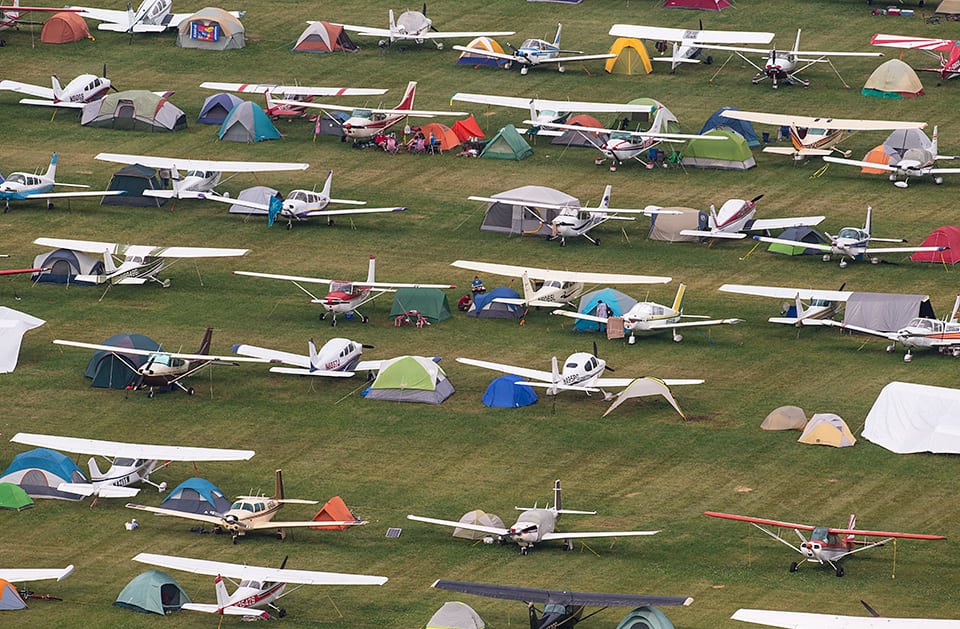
820 304
825 545
686 42
534 52
85 88
293 95
736 216
817 136
807 620
852 243
130 463
152 16
647 316
947 51
337 358
344 296
21 186
257 587
535 525
252 513
415 26
558 287
141 263
165 370
561 608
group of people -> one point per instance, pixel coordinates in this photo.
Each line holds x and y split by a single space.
419 143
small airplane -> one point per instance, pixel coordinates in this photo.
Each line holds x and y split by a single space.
18 575
252 513
366 122
686 43
946 50
534 52
820 304
534 525
852 243
806 620
258 587
299 205
817 136
152 16
558 287
293 95
736 216
561 608
417 27
915 162
576 220
19 271
825 545
10 14
21 186
344 296
85 88
784 66
141 263
130 463
337 358
165 370
647 316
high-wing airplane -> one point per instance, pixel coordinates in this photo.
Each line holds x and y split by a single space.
807 620
18 271
736 216
534 52
130 463
165 371
852 243
21 186
915 162
415 26
85 88
337 358
817 136
947 51
18 575
535 525
257 587
252 513
784 66
293 95
647 316
820 304
686 48
344 296
299 205
141 263
558 287
825 545
561 608
152 16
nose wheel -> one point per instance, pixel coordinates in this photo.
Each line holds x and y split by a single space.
793 566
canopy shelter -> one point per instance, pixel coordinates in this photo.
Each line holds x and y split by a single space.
106 370
887 312
631 57
410 379
430 303
324 37
134 110
197 495
504 392
485 306
134 180
827 429
908 418
216 108
893 79
153 592
247 122
40 471
211 29
946 236
64 27
510 217
617 303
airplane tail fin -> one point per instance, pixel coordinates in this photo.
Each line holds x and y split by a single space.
678 300
372 269
175 180
52 168
556 40
57 90
108 264
528 291
407 102
867 225
956 309
933 141
278 491
605 201
714 223
557 499
223 599
132 17
95 473
314 359
327 185
205 343
796 46
393 23
852 524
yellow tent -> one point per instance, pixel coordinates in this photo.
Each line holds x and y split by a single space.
827 429
631 57
785 418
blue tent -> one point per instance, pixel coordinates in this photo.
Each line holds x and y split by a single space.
197 495
247 122
484 306
617 303
504 392
40 471
742 127
216 108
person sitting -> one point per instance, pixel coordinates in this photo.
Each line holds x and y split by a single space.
419 145
477 286
464 304
390 146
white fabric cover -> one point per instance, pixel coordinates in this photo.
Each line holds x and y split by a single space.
915 418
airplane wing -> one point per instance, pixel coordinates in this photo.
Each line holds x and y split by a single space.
653 325
323 373
860 163
463 34
230 610
530 374
779 292
200 517
291 90
767 51
761 224
638 134
366 210
101 490
915 43
256 573
418 113
130 450
201 164
146 352
622 382
648 211
19 575
821 122
316 280
805 620
271 524
684 35
564 276
870 250
794 243
593 534
27 88
89 246
369 31
103 15
69 195
492 530
562 597
745 518
492 54
552 105
298 360
572 58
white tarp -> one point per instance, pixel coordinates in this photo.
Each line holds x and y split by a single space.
13 325
915 418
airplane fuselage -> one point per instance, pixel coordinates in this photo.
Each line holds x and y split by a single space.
85 88
851 242
299 202
925 333
815 137
122 471
581 368
364 124
571 222
557 292
733 215
153 12
533 51
256 594
19 186
620 147
200 180
643 314
344 297
338 354
825 547
248 510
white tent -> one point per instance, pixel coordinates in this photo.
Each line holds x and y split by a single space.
456 615
915 418
13 325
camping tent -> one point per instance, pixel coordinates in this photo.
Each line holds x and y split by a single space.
631 57
9 597
108 371
785 418
211 29
645 387
324 37
948 7
504 392
799 233
511 218
487 44
40 471
216 108
134 110
256 194
468 129
13 497
572 137
197 495
893 79
645 618
456 615
152 592
247 122
507 144
430 303
444 134
902 141
668 226
477 517
732 154
887 312
946 236
334 510
13 325
827 429
880 154
616 301
410 379
484 306
63 28
915 418
743 127
134 180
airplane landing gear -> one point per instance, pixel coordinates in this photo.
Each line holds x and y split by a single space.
890 348
567 545
793 566
839 571
524 550
908 357
50 203
677 338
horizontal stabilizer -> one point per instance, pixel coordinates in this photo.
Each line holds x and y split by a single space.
712 234
311 372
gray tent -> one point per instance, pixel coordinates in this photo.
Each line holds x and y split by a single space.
477 517
256 194
211 29
907 143
65 265
887 312
134 180
668 226
152 592
134 110
517 219
456 615
410 379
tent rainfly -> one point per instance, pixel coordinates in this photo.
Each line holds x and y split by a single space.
430 303
247 122
525 219
106 370
197 495
40 471
456 615
507 144
334 510
134 110
64 28
893 79
13 325
785 418
827 429
152 592
443 134
216 108
617 303
211 29
324 37
410 379
946 236
504 392
484 305
743 127
732 154
487 44
909 418
631 57
477 517
134 180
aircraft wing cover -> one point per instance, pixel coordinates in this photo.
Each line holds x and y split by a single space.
531 374
130 450
683 35
492 530
821 123
804 620
201 164
783 292
257 573
563 276
19 575
562 597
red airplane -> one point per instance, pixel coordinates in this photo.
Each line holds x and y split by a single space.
10 15
946 50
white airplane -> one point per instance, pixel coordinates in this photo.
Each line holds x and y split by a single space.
21 186
293 95
417 27
85 88
736 216
784 66
18 575
299 205
130 463
10 14
252 513
915 162
806 620
535 525
820 304
647 316
852 243
576 220
558 287
152 16
534 52
257 587
344 296
686 42
817 136
337 358
141 263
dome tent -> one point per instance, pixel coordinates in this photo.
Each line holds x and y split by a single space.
106 370
324 37
152 592
134 110
40 471
63 28
247 122
504 392
216 108
410 379
893 79
211 29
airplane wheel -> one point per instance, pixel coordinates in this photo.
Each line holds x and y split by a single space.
523 550
561 69
563 243
839 571
439 45
793 567
677 338
938 180
289 225
333 323
236 539
567 545
190 391
890 348
281 612
523 71
364 319
597 242
150 394
908 358
709 60
826 257
323 316
843 264
50 203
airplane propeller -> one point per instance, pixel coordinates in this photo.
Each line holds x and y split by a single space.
595 355
756 198
365 346
871 610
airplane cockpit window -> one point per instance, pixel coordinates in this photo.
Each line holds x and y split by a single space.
852 233
298 195
379 116
17 178
246 506
361 113
529 43
552 283
620 135
251 584
341 287
160 359
196 173
123 462
923 324
591 364
258 507
177 362
820 533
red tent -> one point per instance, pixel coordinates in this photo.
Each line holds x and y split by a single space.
335 510
467 128
703 5
324 37
63 28
947 236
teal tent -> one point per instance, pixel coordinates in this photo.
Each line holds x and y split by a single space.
107 370
247 122
507 144
431 303
153 592
617 303
14 497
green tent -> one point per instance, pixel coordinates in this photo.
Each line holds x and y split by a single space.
507 144
410 379
153 592
645 618
798 233
730 154
14 497
431 303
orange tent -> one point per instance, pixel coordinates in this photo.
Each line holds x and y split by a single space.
335 510
448 139
468 128
877 155
63 28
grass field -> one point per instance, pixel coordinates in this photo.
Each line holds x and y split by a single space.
639 468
